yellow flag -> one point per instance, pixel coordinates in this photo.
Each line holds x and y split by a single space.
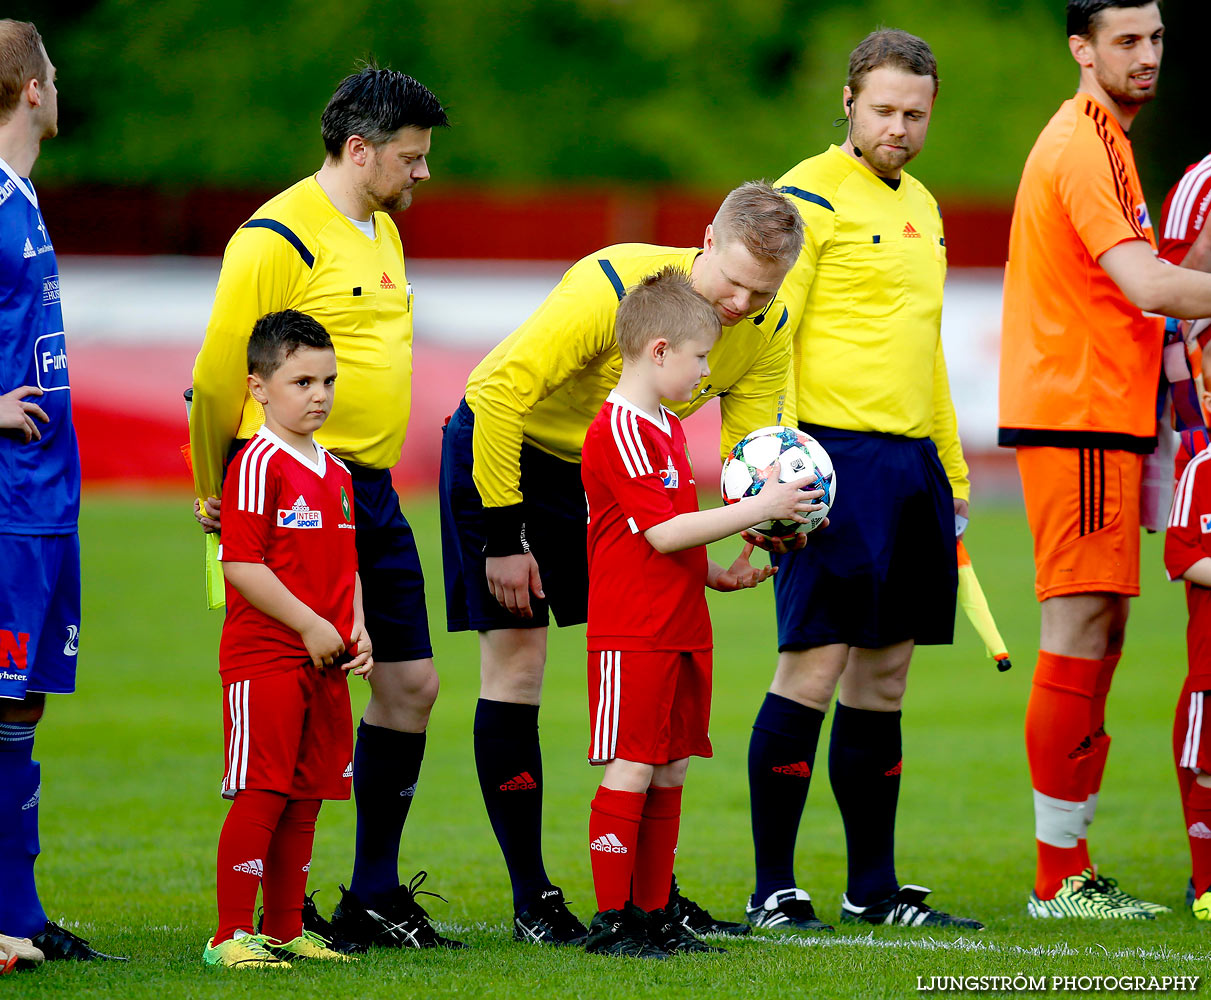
975 604
215 595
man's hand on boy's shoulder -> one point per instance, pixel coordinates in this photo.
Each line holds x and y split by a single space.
740 575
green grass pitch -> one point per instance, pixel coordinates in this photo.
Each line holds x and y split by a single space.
131 811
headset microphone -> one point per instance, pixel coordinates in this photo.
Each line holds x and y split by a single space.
849 104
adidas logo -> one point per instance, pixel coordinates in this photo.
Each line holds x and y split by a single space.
1200 830
910 233
895 770
607 843
386 281
29 249
255 867
799 769
408 792
521 783
1083 750
37 796
307 867
348 770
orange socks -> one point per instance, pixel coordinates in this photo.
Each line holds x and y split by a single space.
1060 748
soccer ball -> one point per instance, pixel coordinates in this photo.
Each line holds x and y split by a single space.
789 453
1202 907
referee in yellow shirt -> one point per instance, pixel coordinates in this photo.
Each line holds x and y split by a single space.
513 505
865 299
328 247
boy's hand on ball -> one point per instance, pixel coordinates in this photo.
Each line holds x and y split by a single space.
323 642
788 501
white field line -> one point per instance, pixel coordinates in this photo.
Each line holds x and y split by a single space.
1060 949
974 945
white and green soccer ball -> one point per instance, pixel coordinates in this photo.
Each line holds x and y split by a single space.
789 454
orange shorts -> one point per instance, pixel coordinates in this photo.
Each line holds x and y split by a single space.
1083 505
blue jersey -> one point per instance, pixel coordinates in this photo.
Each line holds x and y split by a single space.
39 481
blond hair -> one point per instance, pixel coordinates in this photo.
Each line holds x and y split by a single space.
767 225
663 306
22 58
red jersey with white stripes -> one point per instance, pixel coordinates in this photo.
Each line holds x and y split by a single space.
1185 211
293 513
1187 540
637 474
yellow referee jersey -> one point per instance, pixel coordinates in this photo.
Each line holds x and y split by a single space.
545 382
865 299
299 252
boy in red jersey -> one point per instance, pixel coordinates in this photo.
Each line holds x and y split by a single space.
649 633
294 607
1188 557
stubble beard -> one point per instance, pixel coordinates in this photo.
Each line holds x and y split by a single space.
1119 92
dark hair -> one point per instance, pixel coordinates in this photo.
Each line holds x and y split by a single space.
277 335
895 48
767 225
1083 14
375 104
663 305
22 59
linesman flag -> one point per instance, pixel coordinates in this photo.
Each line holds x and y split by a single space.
971 597
216 596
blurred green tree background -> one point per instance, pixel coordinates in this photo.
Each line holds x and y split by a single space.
694 93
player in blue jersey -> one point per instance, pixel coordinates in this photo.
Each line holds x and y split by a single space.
39 489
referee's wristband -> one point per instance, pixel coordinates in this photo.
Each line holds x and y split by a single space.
505 531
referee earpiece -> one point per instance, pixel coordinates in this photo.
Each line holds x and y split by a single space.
849 106
848 119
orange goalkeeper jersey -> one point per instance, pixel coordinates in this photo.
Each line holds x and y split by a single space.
1079 363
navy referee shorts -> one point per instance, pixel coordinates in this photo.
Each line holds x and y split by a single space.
557 518
885 569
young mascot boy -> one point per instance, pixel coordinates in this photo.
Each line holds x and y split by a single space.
294 606
1188 557
649 633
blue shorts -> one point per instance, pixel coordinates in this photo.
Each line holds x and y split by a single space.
885 569
557 520
393 587
39 614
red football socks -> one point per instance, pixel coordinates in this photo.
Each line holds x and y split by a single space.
657 847
286 865
613 842
1198 829
1094 766
243 846
1059 741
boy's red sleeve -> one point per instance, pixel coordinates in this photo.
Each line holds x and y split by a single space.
244 533
1188 536
630 467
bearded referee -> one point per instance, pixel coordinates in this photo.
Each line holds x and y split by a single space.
327 247
866 297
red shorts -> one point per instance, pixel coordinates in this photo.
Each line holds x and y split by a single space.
290 733
1192 730
651 707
